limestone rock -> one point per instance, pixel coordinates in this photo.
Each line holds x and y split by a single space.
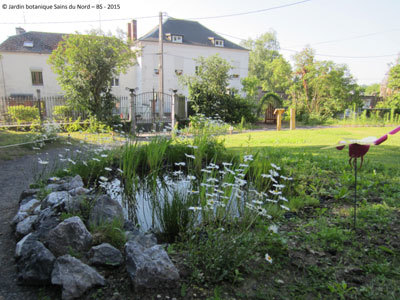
70 234
54 187
47 220
79 191
28 193
74 276
105 209
150 267
30 206
35 263
20 216
147 240
74 183
105 255
25 226
55 199
24 245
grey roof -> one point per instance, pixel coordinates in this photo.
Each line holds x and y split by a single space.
43 42
193 34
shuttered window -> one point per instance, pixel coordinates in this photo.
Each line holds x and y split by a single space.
37 78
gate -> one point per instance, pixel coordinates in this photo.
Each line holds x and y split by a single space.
148 107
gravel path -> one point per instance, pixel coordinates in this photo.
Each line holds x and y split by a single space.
15 176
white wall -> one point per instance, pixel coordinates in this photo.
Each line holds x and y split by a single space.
181 56
17 67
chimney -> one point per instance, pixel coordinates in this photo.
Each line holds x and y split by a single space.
132 31
19 30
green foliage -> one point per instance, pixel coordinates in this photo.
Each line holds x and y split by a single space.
267 67
321 88
110 232
62 112
341 289
43 193
372 89
393 99
94 125
85 65
216 255
23 114
175 217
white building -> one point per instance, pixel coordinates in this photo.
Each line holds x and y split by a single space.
23 64
24 68
183 42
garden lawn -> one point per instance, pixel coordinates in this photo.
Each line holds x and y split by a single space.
317 254
8 137
311 141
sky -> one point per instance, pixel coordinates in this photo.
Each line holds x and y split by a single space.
364 34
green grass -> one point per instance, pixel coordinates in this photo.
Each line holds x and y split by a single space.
310 141
10 137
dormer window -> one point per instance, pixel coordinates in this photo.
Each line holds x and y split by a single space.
216 43
28 44
219 43
177 39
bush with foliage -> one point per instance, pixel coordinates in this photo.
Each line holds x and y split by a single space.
85 65
23 114
208 92
62 112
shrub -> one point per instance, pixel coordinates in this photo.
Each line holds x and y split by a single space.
62 112
23 114
174 216
110 232
217 255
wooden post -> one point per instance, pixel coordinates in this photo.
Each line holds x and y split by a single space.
133 111
279 112
39 106
292 119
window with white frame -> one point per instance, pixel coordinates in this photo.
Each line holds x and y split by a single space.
177 39
219 43
115 81
28 44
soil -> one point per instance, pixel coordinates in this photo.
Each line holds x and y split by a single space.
15 176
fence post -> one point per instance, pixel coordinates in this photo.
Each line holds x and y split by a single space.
173 102
292 119
133 111
39 107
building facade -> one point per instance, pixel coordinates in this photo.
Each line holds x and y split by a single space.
24 68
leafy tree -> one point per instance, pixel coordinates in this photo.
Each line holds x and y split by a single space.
85 65
262 50
393 101
209 85
208 91
267 64
372 89
250 87
321 88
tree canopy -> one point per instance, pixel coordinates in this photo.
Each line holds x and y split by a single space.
321 87
266 64
209 85
393 101
209 93
86 64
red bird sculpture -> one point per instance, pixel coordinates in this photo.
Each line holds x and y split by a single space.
358 148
